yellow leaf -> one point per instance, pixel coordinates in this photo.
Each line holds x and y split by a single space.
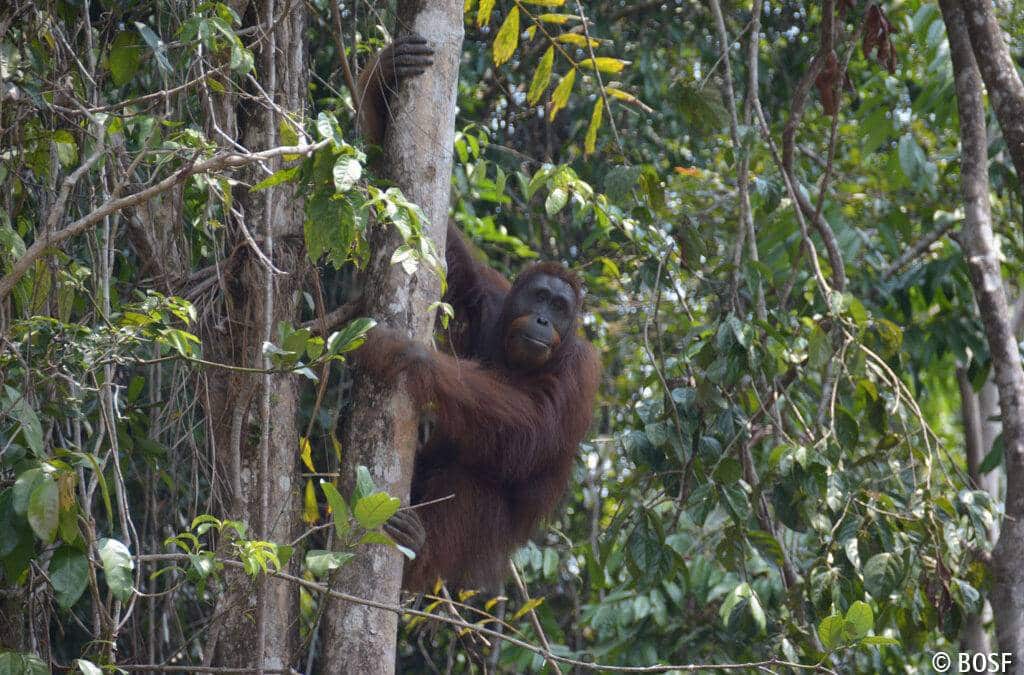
576 40
507 38
306 453
483 14
531 31
466 595
336 445
489 605
546 3
595 123
310 510
687 171
542 77
605 64
621 95
557 18
467 6
532 604
560 97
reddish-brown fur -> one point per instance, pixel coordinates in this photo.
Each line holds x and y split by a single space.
504 440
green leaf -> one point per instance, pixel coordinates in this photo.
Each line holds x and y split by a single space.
767 545
117 567
13 663
69 575
125 56
881 574
994 458
364 484
339 509
67 153
819 348
831 630
88 667
374 510
241 59
557 199
879 641
507 38
44 510
861 618
560 97
912 157
542 77
847 430
276 178
321 562
158 47
351 336
27 418
347 171
376 538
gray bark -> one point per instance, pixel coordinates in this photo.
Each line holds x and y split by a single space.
979 247
235 337
973 637
1005 89
382 429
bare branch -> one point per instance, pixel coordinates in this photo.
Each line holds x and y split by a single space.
399 610
218 162
919 248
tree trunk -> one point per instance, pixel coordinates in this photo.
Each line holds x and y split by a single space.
382 429
973 636
1005 89
979 248
256 467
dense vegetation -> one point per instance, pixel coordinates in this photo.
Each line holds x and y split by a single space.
796 456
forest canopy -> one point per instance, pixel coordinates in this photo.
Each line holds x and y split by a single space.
797 226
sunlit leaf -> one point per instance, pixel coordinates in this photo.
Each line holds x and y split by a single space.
375 509
507 38
44 510
560 97
483 14
541 77
69 575
117 567
310 510
590 140
605 64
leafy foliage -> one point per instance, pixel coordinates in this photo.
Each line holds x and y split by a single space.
780 484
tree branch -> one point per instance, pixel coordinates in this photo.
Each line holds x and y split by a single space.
216 163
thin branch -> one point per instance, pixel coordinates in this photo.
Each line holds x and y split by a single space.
796 113
334 318
216 163
746 224
919 248
339 42
400 611
533 615
812 252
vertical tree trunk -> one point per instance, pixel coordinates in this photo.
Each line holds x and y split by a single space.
1005 89
382 429
979 247
235 337
973 636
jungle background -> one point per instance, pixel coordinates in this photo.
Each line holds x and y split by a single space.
802 272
